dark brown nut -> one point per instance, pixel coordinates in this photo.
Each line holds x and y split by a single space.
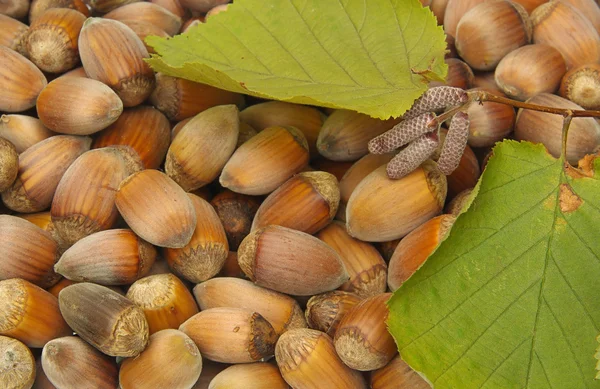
283 312
104 319
113 54
98 106
96 174
52 40
70 362
236 212
29 313
28 252
143 128
22 81
40 169
231 335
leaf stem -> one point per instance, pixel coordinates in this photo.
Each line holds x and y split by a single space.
565 133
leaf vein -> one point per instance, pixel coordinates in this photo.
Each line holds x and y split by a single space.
467 299
474 342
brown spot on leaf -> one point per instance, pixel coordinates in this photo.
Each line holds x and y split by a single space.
569 201
586 165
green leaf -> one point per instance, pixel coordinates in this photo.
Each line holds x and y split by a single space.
511 298
374 56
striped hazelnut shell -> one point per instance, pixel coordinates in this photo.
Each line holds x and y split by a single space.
377 213
112 257
105 319
13 34
126 72
52 40
362 340
22 81
282 311
40 169
9 164
165 300
290 261
307 359
29 313
98 106
70 362
415 248
308 120
28 252
204 255
23 131
364 264
199 152
345 134
180 99
254 376
265 161
325 311
306 202
147 12
143 128
96 174
157 209
147 369
231 335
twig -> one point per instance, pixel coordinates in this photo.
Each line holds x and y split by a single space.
482 96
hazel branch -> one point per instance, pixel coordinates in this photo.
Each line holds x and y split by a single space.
483 96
